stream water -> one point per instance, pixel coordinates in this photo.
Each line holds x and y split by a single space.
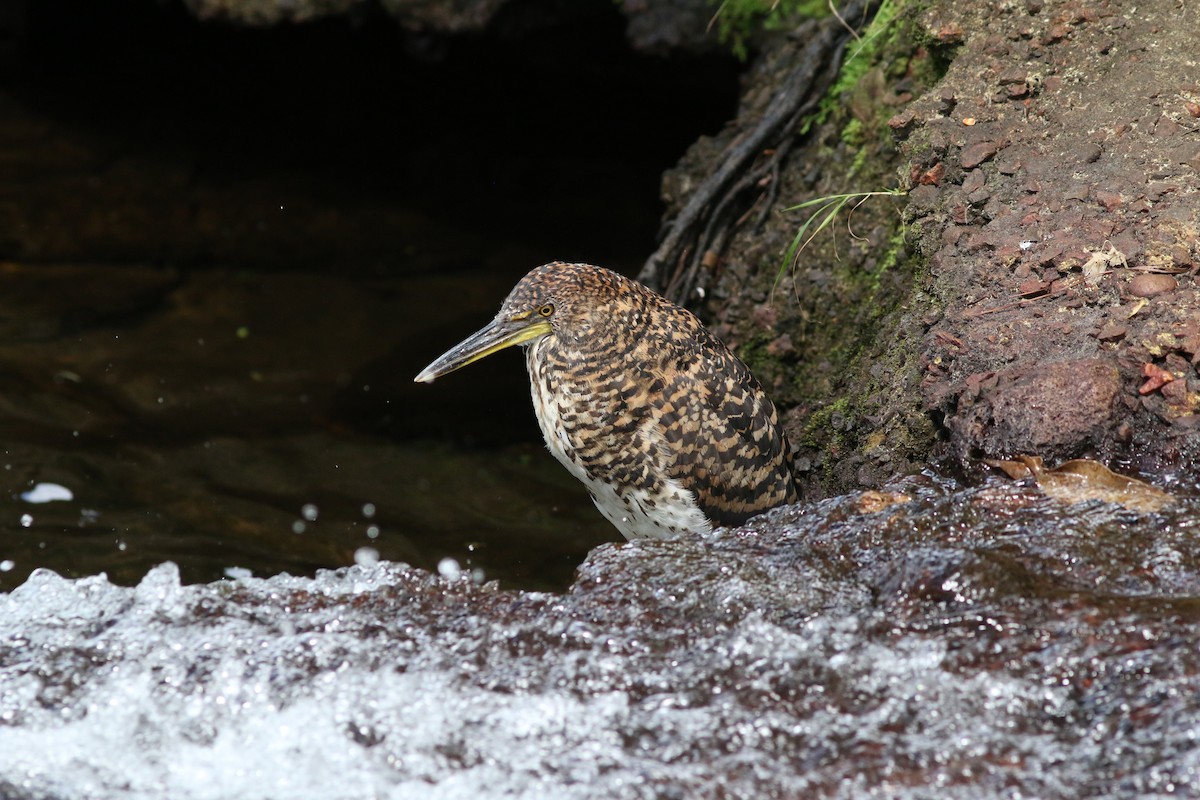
252 424
223 260
924 642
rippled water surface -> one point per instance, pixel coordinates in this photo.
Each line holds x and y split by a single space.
921 642
252 424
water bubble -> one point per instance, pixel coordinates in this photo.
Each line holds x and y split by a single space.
449 568
7 564
238 573
298 526
366 556
26 520
372 531
309 511
368 510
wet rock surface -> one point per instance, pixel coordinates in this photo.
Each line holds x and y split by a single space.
920 641
1046 408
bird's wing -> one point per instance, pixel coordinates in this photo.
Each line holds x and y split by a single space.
727 446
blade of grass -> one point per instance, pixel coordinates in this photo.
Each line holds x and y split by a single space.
827 209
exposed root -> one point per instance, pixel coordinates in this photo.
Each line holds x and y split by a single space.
747 174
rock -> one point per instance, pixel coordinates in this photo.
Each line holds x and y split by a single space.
1052 409
918 625
975 154
1151 284
1187 153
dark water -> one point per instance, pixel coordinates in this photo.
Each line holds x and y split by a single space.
225 254
216 429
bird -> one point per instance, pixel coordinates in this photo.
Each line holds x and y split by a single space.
666 427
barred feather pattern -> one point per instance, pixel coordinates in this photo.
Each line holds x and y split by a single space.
667 428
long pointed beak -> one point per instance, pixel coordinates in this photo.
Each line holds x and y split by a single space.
497 335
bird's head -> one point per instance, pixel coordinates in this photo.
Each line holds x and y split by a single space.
553 299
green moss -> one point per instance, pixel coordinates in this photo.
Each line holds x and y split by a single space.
896 249
827 424
860 161
878 36
737 22
852 133
864 54
855 321
753 354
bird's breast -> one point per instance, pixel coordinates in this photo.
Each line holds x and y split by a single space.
620 456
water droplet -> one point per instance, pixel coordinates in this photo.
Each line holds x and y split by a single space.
449 568
309 511
7 564
368 557
47 493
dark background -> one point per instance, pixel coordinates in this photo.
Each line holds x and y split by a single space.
152 163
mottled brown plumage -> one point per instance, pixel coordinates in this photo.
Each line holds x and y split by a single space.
667 428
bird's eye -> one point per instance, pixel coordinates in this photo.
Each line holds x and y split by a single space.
546 310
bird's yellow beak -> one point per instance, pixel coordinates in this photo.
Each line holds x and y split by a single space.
496 336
